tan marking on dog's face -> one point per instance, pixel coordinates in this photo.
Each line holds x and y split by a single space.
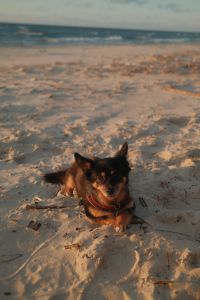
124 179
102 188
103 174
95 185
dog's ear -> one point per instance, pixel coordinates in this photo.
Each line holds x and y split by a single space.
123 151
84 163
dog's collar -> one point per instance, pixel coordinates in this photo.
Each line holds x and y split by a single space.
109 208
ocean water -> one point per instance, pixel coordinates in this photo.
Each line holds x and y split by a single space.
47 35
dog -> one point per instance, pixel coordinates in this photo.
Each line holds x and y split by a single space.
102 184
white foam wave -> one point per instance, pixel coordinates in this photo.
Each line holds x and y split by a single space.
23 30
83 39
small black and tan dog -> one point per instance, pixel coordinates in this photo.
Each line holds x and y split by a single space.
103 186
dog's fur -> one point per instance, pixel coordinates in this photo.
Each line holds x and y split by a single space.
103 186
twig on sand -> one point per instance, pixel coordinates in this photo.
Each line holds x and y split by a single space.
165 282
143 202
176 232
162 282
29 207
72 246
9 257
168 264
138 220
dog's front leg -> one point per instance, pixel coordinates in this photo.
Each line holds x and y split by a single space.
122 220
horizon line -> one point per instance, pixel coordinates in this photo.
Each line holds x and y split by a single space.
97 27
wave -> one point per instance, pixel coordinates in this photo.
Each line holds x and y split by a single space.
28 33
31 35
170 40
23 30
115 40
77 40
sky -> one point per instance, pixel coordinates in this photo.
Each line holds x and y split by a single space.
183 15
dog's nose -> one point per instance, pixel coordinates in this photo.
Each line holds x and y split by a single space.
110 191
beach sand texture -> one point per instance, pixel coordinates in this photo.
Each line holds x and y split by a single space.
57 101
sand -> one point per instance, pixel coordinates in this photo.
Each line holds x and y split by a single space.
57 101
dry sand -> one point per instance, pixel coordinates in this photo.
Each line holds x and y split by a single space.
55 101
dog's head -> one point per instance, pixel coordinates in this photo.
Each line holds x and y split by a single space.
109 176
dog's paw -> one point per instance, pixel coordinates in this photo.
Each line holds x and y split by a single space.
120 228
75 193
62 193
67 192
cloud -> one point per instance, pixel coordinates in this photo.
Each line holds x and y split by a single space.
173 7
138 2
83 4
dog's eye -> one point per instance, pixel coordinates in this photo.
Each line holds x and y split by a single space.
100 179
118 177
115 174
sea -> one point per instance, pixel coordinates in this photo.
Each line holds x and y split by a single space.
49 35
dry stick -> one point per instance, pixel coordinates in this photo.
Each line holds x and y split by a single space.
8 258
158 281
143 202
162 282
165 282
183 234
138 220
168 264
168 281
73 246
28 206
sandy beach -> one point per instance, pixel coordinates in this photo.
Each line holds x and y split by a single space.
55 101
